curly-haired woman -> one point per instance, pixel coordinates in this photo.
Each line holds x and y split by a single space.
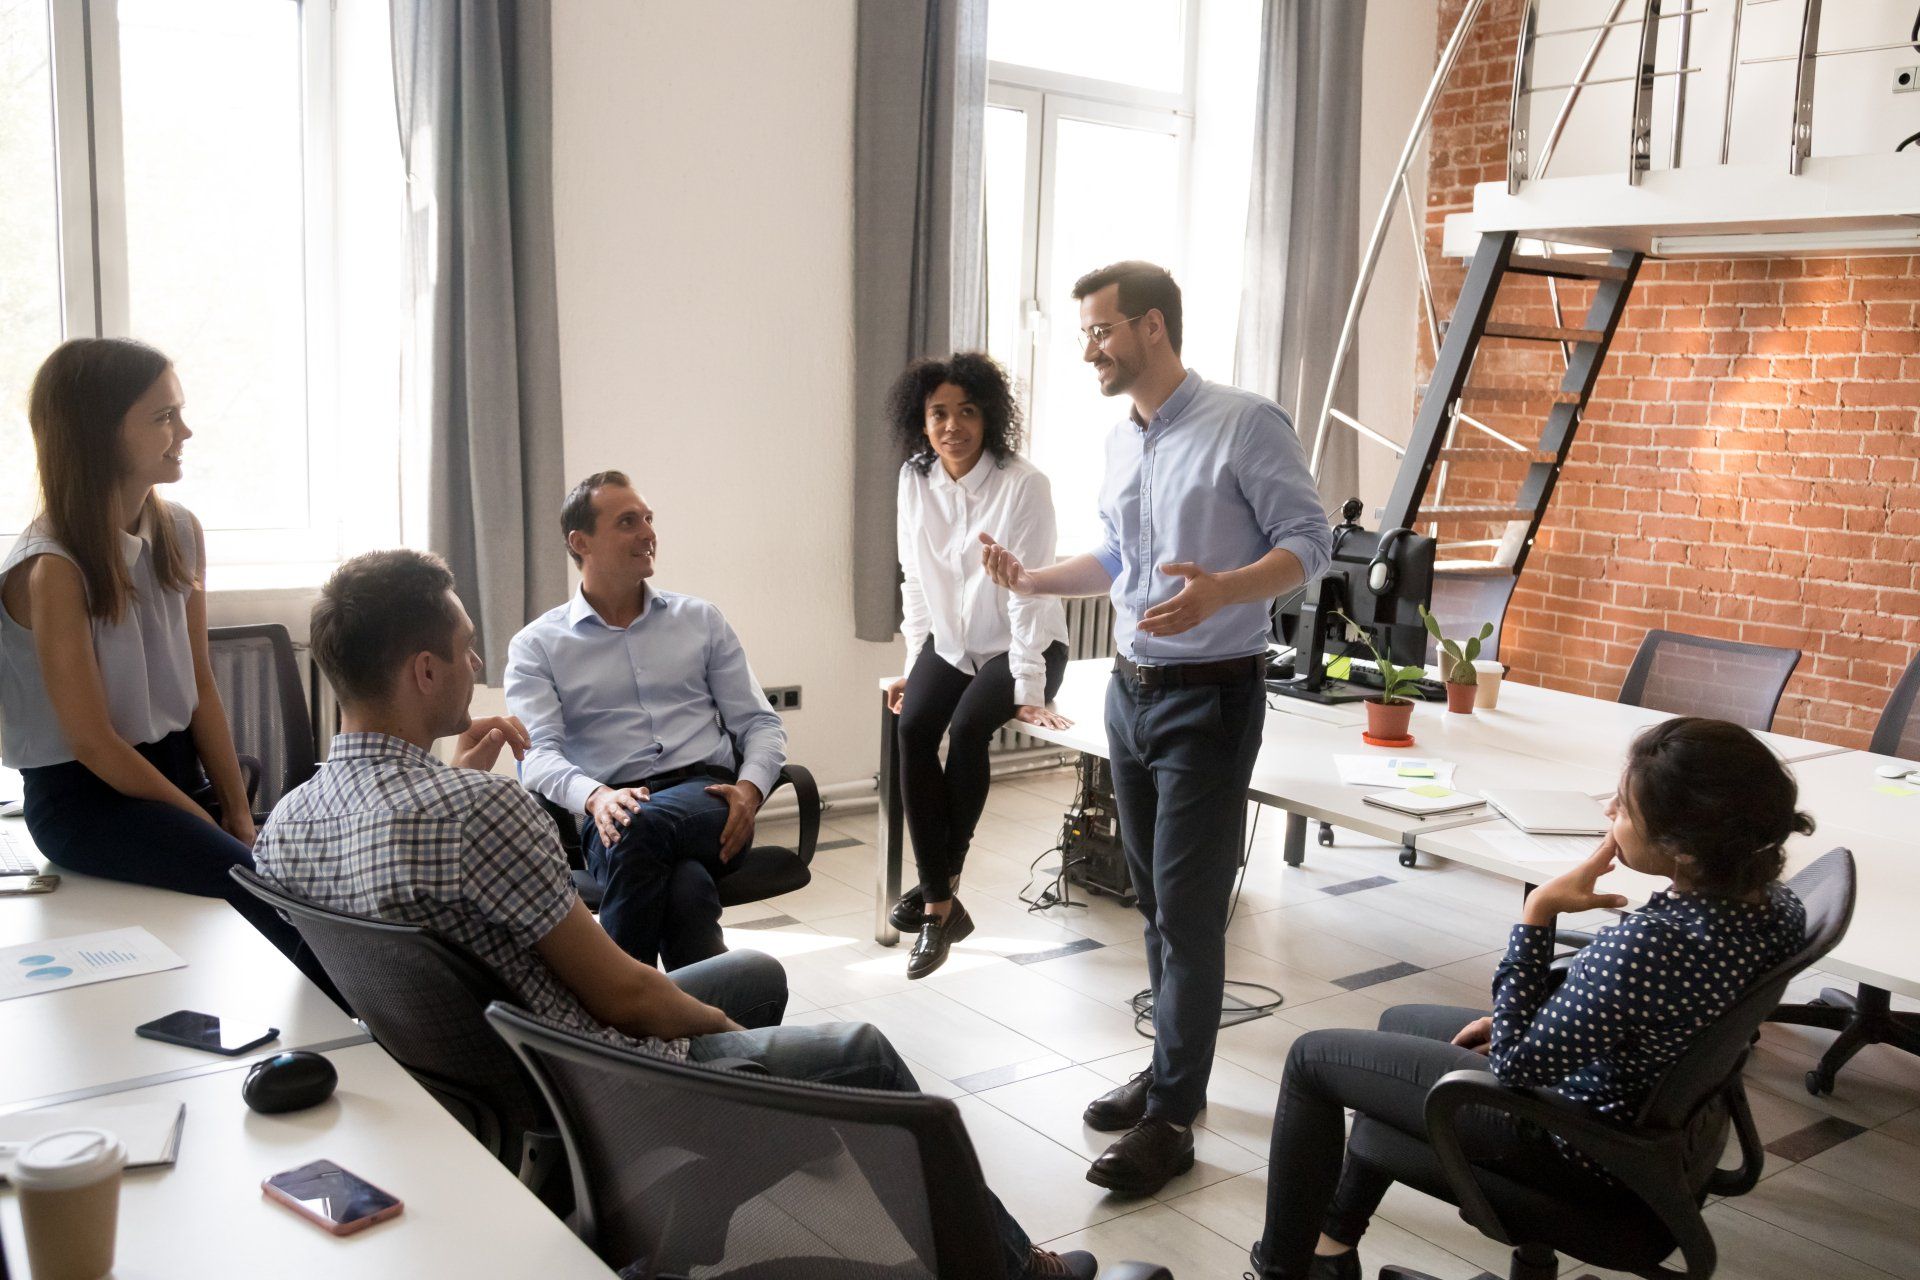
977 655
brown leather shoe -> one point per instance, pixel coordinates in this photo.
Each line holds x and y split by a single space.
1144 1158
1044 1264
1120 1109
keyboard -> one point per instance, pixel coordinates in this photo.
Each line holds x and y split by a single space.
15 863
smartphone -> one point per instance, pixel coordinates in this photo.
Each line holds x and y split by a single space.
14 886
207 1032
331 1198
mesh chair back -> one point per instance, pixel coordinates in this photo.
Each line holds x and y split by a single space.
1898 733
424 999
1462 601
266 706
1691 1092
1701 676
688 1170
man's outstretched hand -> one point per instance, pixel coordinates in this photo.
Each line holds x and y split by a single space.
1005 568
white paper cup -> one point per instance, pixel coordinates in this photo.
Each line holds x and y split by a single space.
69 1184
1488 674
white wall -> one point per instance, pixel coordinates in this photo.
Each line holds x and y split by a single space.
702 190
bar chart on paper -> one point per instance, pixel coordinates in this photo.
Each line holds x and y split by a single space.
57 963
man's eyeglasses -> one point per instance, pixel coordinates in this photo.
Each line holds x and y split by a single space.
1099 333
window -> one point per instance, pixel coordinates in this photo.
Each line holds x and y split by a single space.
173 165
1121 129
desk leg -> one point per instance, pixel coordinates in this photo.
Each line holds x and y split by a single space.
890 813
1295 849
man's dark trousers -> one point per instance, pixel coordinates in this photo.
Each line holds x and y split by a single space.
660 899
1182 759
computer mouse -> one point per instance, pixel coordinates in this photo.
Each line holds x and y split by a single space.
289 1082
1895 770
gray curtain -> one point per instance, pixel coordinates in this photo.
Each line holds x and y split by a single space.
473 84
1303 233
919 118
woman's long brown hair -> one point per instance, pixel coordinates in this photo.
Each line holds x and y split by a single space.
80 399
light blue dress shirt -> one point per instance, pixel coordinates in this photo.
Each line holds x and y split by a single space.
603 704
1219 479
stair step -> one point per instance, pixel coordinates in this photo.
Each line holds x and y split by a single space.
1527 264
1495 455
1472 569
1517 395
1467 515
1541 332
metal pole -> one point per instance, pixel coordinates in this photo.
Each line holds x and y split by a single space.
1733 75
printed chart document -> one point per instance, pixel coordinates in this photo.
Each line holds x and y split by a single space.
57 963
1393 771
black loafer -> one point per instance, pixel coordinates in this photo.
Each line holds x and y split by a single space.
910 912
1120 1109
1345 1266
936 937
1144 1159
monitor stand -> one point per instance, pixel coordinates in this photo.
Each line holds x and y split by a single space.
1330 692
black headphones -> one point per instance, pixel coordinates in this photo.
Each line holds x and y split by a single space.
1383 571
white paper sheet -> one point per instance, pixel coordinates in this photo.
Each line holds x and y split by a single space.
1384 771
1510 842
58 963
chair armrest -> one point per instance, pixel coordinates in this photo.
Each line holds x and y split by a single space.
1753 1156
806 797
1134 1271
1647 1164
745 1066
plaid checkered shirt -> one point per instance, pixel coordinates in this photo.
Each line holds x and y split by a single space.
386 830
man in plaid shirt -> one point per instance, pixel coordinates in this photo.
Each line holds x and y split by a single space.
387 830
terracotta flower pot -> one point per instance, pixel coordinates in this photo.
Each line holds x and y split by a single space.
1388 721
1460 697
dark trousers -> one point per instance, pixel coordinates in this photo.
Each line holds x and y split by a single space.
83 824
1383 1074
1182 759
944 805
660 900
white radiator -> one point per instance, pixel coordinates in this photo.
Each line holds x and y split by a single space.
1089 635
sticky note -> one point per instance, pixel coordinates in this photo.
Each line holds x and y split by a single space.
1431 791
1896 789
1415 771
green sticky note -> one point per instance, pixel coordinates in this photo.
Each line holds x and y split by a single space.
1415 771
1897 789
1431 791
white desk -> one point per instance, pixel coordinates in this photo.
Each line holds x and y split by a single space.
465 1214
80 1041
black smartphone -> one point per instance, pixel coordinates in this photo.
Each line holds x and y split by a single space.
206 1031
331 1198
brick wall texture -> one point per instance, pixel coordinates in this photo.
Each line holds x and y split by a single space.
1748 466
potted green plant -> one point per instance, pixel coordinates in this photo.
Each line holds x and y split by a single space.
1389 714
1456 663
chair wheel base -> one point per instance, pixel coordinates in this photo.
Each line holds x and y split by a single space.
1819 1082
1408 858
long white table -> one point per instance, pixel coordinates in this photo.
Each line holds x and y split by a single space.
465 1214
79 1042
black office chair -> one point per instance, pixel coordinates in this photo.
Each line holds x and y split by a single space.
425 998
1665 1162
762 872
266 709
1866 1016
678 1166
1463 599
1701 676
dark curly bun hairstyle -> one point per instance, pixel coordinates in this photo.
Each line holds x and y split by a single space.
1711 792
984 381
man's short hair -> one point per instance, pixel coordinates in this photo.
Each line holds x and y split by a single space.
577 511
376 612
1143 288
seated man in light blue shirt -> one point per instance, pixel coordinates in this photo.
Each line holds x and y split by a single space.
642 714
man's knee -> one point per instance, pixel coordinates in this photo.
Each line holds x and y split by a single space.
866 1043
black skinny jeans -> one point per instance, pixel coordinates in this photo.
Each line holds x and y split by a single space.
83 824
944 806
1384 1074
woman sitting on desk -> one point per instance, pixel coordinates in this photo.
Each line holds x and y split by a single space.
107 702
1702 802
976 654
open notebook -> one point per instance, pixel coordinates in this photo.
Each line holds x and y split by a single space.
150 1130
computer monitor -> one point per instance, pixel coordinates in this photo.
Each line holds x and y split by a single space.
1305 620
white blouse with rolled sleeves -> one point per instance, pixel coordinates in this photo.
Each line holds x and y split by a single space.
146 658
947 597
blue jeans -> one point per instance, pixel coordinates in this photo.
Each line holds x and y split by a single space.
751 988
660 900
1182 759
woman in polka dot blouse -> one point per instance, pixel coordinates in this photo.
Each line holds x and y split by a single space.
1701 802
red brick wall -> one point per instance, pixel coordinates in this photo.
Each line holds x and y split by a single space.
1749 465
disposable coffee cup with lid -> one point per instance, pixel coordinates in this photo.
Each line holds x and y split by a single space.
1487 674
69 1184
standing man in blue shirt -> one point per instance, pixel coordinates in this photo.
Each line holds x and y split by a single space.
1209 514
642 713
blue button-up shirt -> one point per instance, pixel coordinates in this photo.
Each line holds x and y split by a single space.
1219 479
604 704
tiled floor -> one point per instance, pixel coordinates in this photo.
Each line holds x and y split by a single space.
1029 1019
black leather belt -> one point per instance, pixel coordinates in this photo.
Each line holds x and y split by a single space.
1187 675
674 777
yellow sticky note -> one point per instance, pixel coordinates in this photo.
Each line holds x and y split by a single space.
1414 771
1897 789
1431 791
